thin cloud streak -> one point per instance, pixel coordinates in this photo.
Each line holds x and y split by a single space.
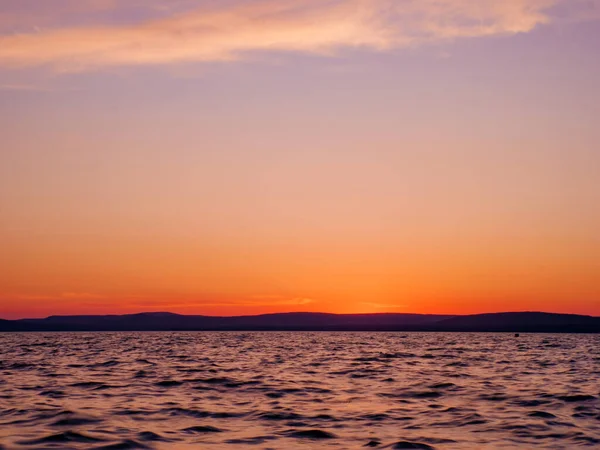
23 88
32 88
230 32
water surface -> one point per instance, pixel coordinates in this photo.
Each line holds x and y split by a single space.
299 390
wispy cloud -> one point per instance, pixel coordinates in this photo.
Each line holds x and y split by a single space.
234 29
22 88
82 295
62 295
265 300
275 299
33 88
384 306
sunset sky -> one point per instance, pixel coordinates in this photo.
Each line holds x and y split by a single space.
229 157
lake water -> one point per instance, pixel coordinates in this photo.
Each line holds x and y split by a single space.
299 390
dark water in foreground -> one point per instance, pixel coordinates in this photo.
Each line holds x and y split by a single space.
299 390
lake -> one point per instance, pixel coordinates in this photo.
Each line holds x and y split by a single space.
231 390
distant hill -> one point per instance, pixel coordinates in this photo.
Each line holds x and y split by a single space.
522 321
164 321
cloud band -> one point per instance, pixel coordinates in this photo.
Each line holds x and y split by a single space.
235 29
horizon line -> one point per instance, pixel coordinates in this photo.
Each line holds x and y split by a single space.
299 312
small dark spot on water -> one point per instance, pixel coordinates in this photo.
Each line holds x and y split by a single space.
376 417
251 441
213 380
541 414
576 398
53 394
110 363
168 383
202 429
401 445
128 444
275 394
75 421
88 384
426 394
311 434
494 398
150 436
442 386
531 403
296 424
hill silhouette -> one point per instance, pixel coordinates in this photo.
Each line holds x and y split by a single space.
165 321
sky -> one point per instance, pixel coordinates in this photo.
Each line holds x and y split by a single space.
250 156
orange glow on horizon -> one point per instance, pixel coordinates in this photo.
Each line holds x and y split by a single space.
346 272
146 277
